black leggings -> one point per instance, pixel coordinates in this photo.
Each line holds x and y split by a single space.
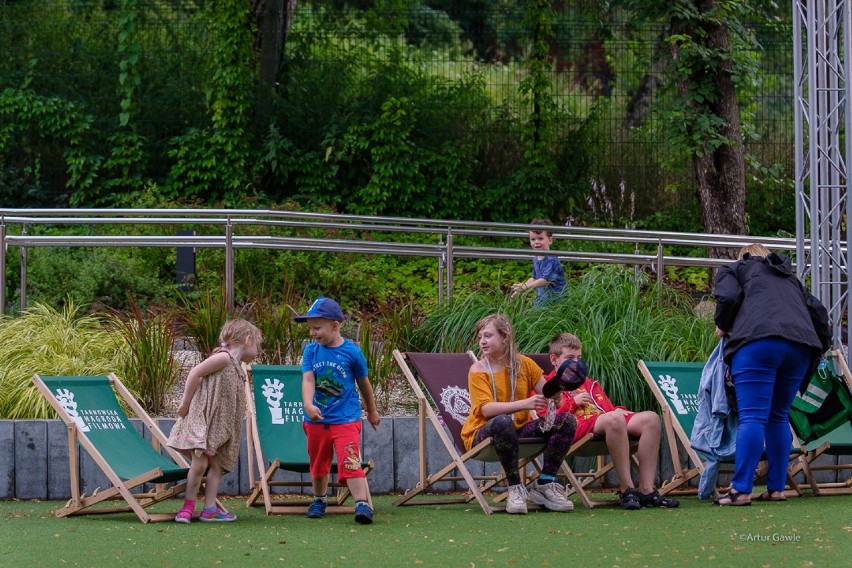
504 437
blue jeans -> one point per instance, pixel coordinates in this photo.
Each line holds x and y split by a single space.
766 373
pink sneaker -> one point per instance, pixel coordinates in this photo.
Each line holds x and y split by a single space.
217 516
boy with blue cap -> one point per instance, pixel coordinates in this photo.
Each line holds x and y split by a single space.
331 368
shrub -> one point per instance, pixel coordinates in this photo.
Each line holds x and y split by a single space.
52 342
151 366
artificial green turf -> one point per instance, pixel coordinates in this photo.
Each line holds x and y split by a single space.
807 531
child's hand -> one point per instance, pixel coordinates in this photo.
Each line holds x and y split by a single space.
313 413
373 418
583 398
183 409
536 402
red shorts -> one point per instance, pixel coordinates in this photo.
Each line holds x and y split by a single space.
325 440
587 425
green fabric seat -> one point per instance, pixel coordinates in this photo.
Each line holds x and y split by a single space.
98 423
675 386
276 437
110 430
822 419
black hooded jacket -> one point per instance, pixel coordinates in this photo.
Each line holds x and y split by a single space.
759 297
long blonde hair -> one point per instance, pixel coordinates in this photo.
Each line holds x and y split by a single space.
503 326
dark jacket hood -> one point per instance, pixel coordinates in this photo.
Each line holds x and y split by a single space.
778 263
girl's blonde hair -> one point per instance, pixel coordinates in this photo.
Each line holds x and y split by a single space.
503 326
239 331
754 249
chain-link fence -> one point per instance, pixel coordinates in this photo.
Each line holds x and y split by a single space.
606 72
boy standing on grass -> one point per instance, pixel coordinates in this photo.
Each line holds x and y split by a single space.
331 368
597 414
548 277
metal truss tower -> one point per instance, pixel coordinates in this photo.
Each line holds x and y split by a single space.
822 68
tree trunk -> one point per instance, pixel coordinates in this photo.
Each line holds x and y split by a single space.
273 23
719 173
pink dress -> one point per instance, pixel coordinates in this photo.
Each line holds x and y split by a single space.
215 418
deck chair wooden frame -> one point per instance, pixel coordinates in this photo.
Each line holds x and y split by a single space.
96 421
590 446
449 370
281 441
679 439
837 442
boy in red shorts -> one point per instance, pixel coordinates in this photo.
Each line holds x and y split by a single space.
597 414
331 369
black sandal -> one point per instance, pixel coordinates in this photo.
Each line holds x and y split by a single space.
630 499
654 499
734 498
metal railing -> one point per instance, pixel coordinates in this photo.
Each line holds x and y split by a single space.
444 250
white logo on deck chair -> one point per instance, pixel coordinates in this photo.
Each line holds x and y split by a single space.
456 402
66 399
669 386
273 391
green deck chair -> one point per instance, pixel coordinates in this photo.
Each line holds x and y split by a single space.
95 420
676 386
276 437
821 421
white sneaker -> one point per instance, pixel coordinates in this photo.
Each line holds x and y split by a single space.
551 496
516 504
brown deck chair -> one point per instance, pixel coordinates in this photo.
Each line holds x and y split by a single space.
827 432
276 441
444 378
590 446
681 383
96 421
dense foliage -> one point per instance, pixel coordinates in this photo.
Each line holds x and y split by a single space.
502 110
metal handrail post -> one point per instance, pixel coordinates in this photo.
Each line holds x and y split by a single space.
449 264
660 271
23 272
442 261
229 265
2 266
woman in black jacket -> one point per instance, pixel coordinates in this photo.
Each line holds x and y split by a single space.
772 344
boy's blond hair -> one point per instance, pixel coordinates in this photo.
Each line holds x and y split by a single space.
239 331
564 341
545 222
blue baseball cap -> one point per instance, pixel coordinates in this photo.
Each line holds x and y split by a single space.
325 308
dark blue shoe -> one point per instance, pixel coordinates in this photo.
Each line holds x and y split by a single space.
317 509
363 514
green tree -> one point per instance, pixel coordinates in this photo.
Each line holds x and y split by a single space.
707 39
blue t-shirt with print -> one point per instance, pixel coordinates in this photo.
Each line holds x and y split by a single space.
336 370
549 268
